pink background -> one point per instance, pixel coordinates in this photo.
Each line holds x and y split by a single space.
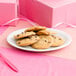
48 13
57 63
8 10
68 52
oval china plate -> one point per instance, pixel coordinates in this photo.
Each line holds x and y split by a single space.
67 38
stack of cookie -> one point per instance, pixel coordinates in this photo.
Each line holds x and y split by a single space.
38 37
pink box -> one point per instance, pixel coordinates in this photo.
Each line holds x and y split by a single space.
71 14
8 10
49 12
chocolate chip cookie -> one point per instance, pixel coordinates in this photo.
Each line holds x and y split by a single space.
58 41
27 41
35 28
24 34
44 42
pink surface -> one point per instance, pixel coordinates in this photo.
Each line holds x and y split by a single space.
67 53
2 29
33 64
8 1
1 66
56 3
49 12
71 14
20 24
5 9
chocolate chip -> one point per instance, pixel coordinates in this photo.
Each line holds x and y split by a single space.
49 42
59 38
18 42
29 37
22 32
18 35
45 40
52 35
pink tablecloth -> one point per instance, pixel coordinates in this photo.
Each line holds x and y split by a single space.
3 28
67 53
34 64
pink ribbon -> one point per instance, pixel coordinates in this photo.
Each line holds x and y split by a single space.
25 19
66 25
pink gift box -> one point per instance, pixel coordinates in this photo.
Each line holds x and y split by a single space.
71 13
49 12
8 10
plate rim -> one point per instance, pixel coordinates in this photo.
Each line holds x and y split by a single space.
40 50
